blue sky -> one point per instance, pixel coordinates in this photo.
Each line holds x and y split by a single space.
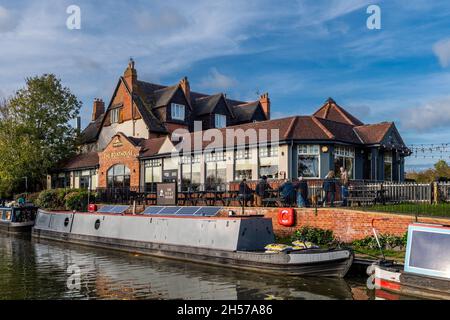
301 52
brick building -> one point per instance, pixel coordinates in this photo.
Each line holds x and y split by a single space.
131 141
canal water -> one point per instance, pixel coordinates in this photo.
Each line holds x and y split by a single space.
31 269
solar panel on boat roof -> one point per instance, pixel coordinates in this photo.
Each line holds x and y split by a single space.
187 211
208 211
169 210
152 210
105 209
119 209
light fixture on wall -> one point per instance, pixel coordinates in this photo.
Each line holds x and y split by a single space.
325 149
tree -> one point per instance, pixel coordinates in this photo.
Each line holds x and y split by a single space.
440 171
35 132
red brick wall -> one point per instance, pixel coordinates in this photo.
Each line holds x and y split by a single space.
347 225
119 152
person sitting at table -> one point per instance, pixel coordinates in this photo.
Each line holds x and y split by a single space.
287 193
245 193
261 191
302 192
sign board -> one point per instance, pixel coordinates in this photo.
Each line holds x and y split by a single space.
166 194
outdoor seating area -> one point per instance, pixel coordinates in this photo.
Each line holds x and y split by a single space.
404 197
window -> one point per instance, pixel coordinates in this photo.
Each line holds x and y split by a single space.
243 165
153 173
344 157
177 111
84 179
269 151
61 180
190 172
216 170
118 176
220 121
308 161
268 162
388 166
170 169
242 154
115 115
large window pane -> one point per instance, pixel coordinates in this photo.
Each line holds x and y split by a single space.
308 166
344 156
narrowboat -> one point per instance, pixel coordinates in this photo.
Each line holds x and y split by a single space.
17 219
195 234
426 270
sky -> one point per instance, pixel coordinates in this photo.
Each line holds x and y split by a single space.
301 52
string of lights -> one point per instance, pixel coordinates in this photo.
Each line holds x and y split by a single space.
430 150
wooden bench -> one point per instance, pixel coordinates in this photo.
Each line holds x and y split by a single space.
362 194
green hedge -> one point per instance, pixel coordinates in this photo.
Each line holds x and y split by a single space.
387 242
64 199
317 236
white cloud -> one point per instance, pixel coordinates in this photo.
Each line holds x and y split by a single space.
8 20
218 80
432 115
442 50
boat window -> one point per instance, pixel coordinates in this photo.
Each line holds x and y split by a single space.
429 252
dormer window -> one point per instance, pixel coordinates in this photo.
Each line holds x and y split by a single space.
220 121
177 111
115 115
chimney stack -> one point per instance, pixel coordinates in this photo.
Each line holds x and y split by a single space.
184 83
265 103
130 75
98 109
78 128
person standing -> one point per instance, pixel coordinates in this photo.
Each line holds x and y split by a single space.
344 186
261 191
287 192
302 193
245 193
329 186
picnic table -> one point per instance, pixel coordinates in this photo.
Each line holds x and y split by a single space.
273 199
365 194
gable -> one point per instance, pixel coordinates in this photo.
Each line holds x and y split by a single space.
392 138
332 111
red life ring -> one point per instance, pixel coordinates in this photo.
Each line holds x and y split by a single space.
286 217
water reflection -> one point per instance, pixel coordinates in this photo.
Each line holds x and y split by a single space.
39 270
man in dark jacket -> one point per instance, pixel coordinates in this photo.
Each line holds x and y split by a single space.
287 192
261 191
245 193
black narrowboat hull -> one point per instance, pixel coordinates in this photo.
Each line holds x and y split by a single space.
319 262
16 227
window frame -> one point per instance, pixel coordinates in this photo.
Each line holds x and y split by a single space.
178 111
115 115
218 119
309 150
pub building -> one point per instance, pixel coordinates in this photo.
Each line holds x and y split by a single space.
129 142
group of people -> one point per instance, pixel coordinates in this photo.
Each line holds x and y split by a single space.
296 192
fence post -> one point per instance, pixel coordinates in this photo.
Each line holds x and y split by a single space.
435 192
